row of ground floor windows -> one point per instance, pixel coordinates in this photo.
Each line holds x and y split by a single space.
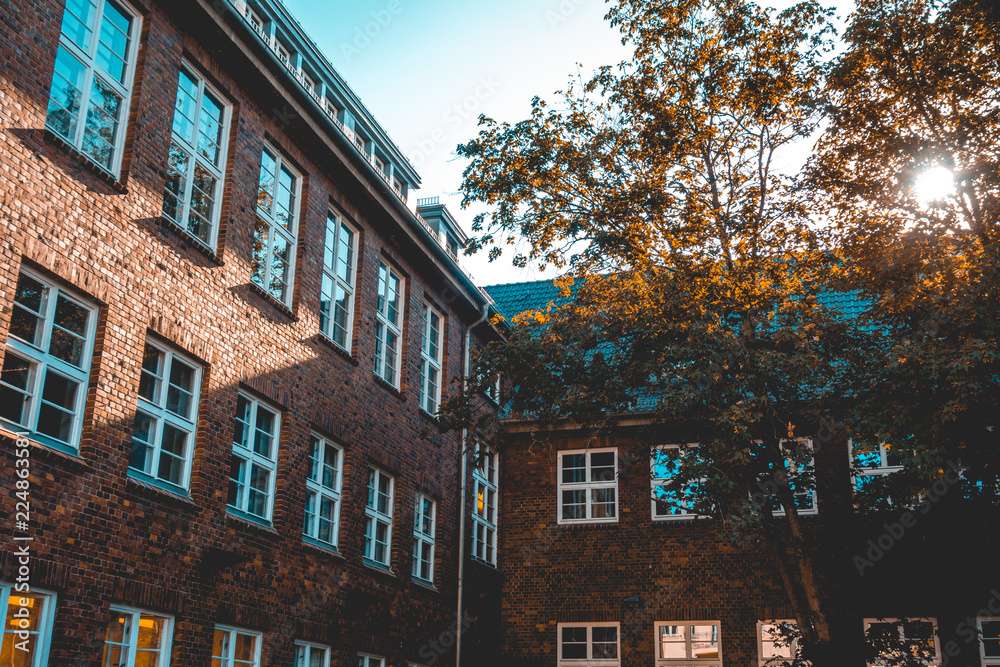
137 638
683 643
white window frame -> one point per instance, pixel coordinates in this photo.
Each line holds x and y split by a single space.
767 661
250 458
290 235
901 627
655 483
160 415
232 632
88 60
589 661
373 517
370 660
305 650
43 641
586 486
987 661
883 469
486 482
334 224
195 156
383 326
420 538
688 661
41 361
810 511
133 638
430 397
321 491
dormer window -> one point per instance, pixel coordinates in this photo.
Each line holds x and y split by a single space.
283 51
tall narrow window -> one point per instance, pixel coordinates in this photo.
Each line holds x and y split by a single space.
589 644
27 626
423 538
684 643
43 386
255 459
196 162
322 518
336 302
378 518
989 645
670 502
135 638
278 192
163 431
430 361
92 81
891 639
233 647
484 514
311 655
777 642
588 486
388 325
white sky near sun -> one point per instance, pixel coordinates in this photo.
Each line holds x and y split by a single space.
428 68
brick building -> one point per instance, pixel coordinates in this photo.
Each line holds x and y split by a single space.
224 332
596 574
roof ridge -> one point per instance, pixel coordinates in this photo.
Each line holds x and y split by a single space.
521 282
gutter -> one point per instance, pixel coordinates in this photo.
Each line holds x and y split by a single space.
466 372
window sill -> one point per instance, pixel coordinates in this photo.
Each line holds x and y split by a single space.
322 547
378 567
44 448
589 523
424 584
80 158
242 520
484 563
263 293
433 419
338 349
189 241
388 387
158 492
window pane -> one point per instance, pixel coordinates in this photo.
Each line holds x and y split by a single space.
574 468
704 641
78 21
101 130
63 115
179 393
143 435
112 49
574 643
15 388
602 467
672 642
29 306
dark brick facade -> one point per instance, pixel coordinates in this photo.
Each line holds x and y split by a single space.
638 571
102 538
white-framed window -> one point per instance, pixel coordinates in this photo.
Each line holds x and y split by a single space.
777 642
137 638
92 80
799 463
378 517
255 458
588 485
369 660
989 644
336 302
46 367
166 417
589 644
279 190
424 523
871 460
890 639
684 643
323 486
484 515
671 504
196 160
308 654
431 352
31 612
236 647
388 325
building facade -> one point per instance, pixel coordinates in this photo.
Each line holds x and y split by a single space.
225 335
596 573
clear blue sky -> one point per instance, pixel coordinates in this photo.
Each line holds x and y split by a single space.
427 68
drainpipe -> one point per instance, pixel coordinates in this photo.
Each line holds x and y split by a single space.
466 371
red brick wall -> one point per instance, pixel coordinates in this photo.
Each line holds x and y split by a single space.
101 538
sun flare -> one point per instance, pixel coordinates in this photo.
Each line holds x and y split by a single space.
933 185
